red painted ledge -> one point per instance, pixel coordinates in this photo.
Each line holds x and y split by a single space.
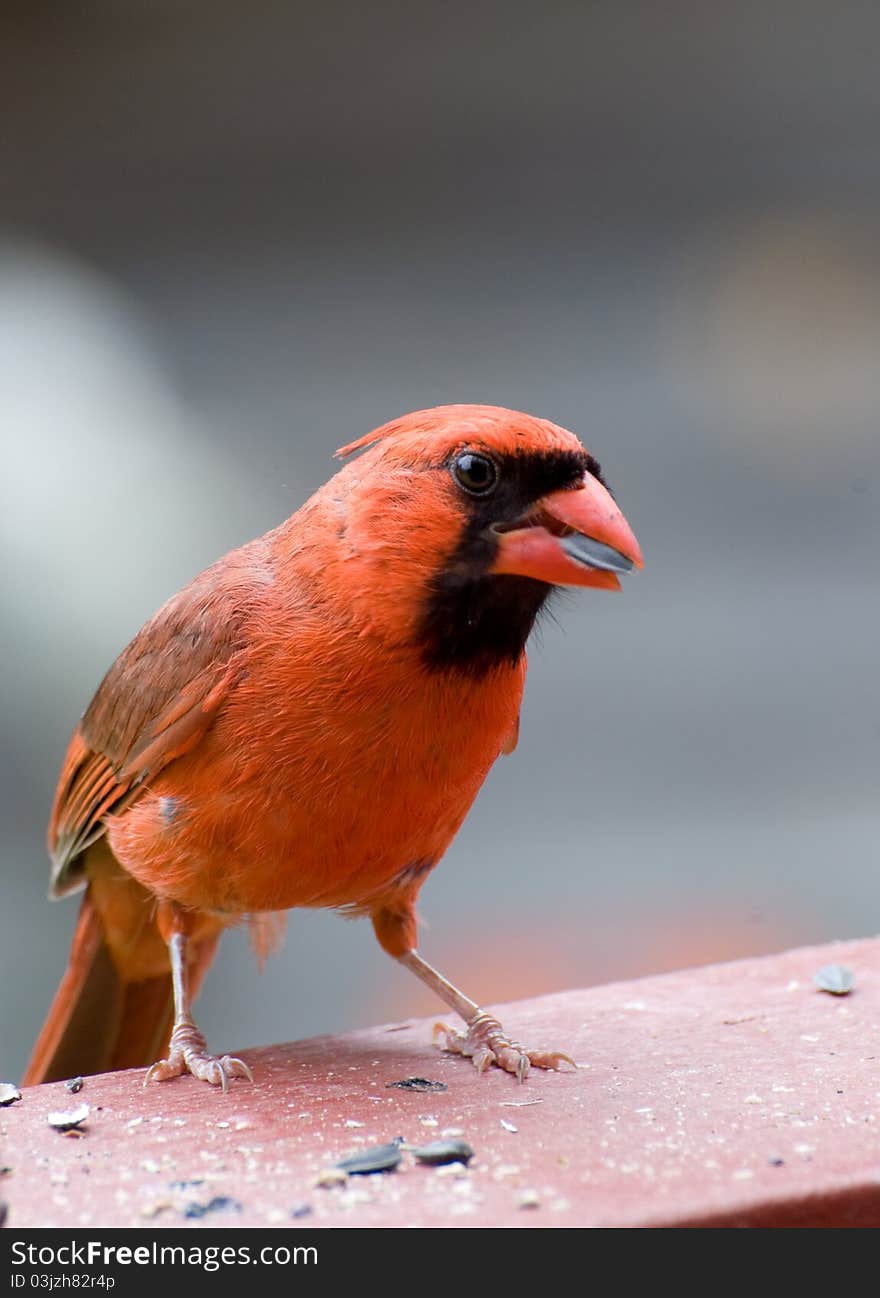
734 1095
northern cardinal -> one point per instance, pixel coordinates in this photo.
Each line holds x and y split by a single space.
307 724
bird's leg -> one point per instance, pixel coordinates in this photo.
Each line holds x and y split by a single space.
485 1042
187 1049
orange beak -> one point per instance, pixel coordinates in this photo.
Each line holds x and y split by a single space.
571 538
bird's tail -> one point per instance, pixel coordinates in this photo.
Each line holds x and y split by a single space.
114 1007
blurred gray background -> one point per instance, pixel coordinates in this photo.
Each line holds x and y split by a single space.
235 236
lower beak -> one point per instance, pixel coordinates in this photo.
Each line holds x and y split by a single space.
572 538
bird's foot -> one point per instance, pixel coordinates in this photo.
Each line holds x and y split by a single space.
485 1043
188 1053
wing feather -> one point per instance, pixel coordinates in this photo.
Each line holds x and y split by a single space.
155 704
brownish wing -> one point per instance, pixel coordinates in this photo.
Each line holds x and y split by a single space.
156 702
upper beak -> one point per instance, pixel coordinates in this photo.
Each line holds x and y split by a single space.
571 538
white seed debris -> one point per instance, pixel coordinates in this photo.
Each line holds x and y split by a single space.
835 979
68 1120
504 1170
155 1207
331 1176
353 1198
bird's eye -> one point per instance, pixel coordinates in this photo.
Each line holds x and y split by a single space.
475 474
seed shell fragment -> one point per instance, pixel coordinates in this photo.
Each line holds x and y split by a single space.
439 1152
381 1158
834 978
69 1121
416 1084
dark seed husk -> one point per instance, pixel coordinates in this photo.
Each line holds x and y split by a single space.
220 1203
443 1151
417 1084
381 1158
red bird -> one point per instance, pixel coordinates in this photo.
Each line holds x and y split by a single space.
307 724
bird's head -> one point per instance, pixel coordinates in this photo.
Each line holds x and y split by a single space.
465 518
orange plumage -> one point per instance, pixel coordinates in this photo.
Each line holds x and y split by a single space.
308 722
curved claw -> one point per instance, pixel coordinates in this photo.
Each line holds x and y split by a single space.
235 1067
552 1059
